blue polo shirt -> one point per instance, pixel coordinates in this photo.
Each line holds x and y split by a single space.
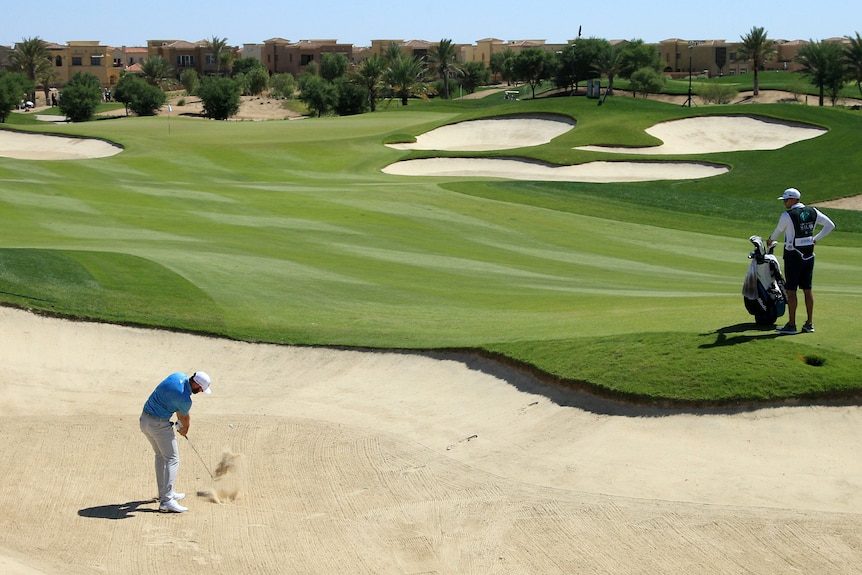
172 395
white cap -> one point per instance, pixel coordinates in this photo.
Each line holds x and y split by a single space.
202 379
790 193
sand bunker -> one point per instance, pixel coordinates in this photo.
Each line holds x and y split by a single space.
501 133
705 134
598 172
24 146
374 463
712 134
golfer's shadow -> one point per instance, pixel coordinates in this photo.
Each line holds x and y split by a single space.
117 510
722 338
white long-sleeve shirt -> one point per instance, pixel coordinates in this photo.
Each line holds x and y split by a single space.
785 226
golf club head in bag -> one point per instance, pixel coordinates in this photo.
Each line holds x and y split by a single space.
763 290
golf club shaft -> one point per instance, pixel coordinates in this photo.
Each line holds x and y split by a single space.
199 457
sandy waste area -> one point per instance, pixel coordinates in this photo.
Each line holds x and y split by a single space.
331 461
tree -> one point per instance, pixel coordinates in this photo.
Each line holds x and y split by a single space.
220 97
475 75
823 64
282 85
13 86
256 81
349 98
30 56
757 49
564 70
156 70
533 66
319 95
853 60
392 54
245 65
46 77
647 80
218 50
587 53
609 63
406 77
635 54
443 61
81 95
141 98
250 74
502 63
369 75
190 81
333 66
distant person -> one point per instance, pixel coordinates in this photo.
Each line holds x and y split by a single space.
173 395
798 224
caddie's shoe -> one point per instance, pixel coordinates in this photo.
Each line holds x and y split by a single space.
178 496
788 329
172 507
808 327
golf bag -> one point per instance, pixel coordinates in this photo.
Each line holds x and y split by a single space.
763 290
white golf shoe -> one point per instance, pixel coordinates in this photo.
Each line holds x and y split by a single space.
176 496
172 507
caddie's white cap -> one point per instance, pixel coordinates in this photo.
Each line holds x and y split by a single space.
202 379
790 193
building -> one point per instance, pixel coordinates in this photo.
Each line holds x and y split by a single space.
279 55
182 55
83 56
719 58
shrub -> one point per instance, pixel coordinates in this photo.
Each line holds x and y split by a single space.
220 97
717 93
81 95
13 85
190 81
141 98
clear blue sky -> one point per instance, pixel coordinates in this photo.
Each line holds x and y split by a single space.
358 22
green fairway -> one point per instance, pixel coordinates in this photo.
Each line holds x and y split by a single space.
287 231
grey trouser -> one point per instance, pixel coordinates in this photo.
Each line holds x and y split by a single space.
160 432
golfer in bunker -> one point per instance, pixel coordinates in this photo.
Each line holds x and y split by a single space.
173 395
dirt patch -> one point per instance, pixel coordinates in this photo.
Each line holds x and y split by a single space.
251 108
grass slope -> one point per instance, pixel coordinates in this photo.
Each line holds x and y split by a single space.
288 232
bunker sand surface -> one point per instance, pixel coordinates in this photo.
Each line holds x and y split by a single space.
383 462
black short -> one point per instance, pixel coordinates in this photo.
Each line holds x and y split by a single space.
798 273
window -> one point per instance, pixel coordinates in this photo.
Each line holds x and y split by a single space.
95 60
210 60
76 61
305 59
185 61
58 61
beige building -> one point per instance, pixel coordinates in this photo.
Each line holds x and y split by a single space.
83 56
719 58
280 55
182 55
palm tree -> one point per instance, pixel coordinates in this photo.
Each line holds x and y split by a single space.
609 63
369 74
218 48
407 77
853 59
393 54
31 57
823 63
442 58
155 69
757 48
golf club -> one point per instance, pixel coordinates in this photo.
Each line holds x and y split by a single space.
179 426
